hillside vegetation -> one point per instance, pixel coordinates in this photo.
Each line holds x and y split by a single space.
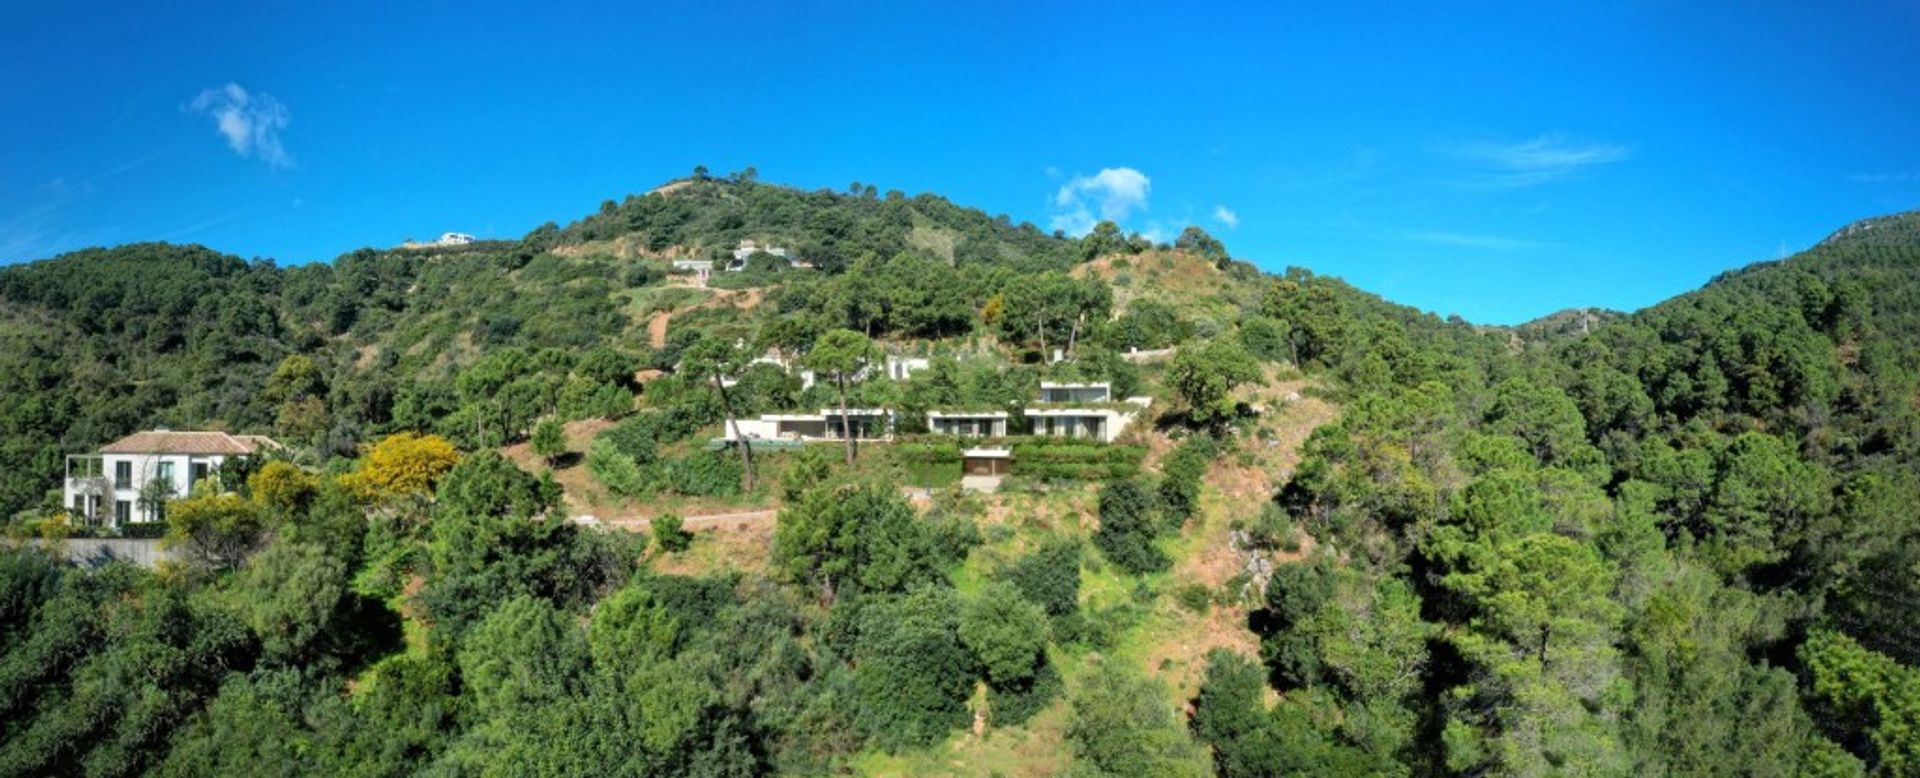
1349 537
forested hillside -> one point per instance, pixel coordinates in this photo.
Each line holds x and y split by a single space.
1679 541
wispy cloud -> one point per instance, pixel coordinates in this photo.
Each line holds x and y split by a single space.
200 224
41 230
1226 216
1883 178
251 123
1541 160
1471 241
1113 193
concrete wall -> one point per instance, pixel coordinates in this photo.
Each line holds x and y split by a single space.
87 552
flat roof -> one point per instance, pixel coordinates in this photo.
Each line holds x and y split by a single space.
1093 385
987 453
1071 411
969 414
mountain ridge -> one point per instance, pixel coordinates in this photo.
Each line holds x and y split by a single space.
660 233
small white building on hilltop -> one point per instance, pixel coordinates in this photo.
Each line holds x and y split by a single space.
701 269
445 239
105 487
748 248
902 368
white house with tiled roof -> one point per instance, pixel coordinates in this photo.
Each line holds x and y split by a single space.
105 487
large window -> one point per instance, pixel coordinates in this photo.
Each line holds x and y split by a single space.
165 476
122 511
123 475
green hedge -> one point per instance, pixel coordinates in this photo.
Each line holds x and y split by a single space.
1059 459
933 461
930 465
144 529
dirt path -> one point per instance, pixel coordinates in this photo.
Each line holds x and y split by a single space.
737 520
743 299
657 329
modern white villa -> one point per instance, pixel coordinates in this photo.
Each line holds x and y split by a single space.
968 424
1076 393
1065 410
105 487
898 368
1101 424
828 424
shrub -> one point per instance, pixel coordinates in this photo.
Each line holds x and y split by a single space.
633 438
1014 704
549 439
1122 725
670 533
704 474
1005 632
283 486
1265 338
1183 471
803 469
215 531
1194 597
912 674
1127 528
616 470
486 484
641 435
584 399
1273 529
1050 576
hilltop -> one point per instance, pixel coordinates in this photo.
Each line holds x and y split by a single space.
1899 229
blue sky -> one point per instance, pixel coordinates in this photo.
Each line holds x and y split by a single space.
1495 161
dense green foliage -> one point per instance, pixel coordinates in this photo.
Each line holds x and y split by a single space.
1599 553
1679 541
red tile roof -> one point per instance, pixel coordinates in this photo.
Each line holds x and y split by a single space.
169 442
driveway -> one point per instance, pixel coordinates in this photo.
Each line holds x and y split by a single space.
984 484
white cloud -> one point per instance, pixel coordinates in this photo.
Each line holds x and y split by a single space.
1113 193
251 123
1226 216
1538 161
